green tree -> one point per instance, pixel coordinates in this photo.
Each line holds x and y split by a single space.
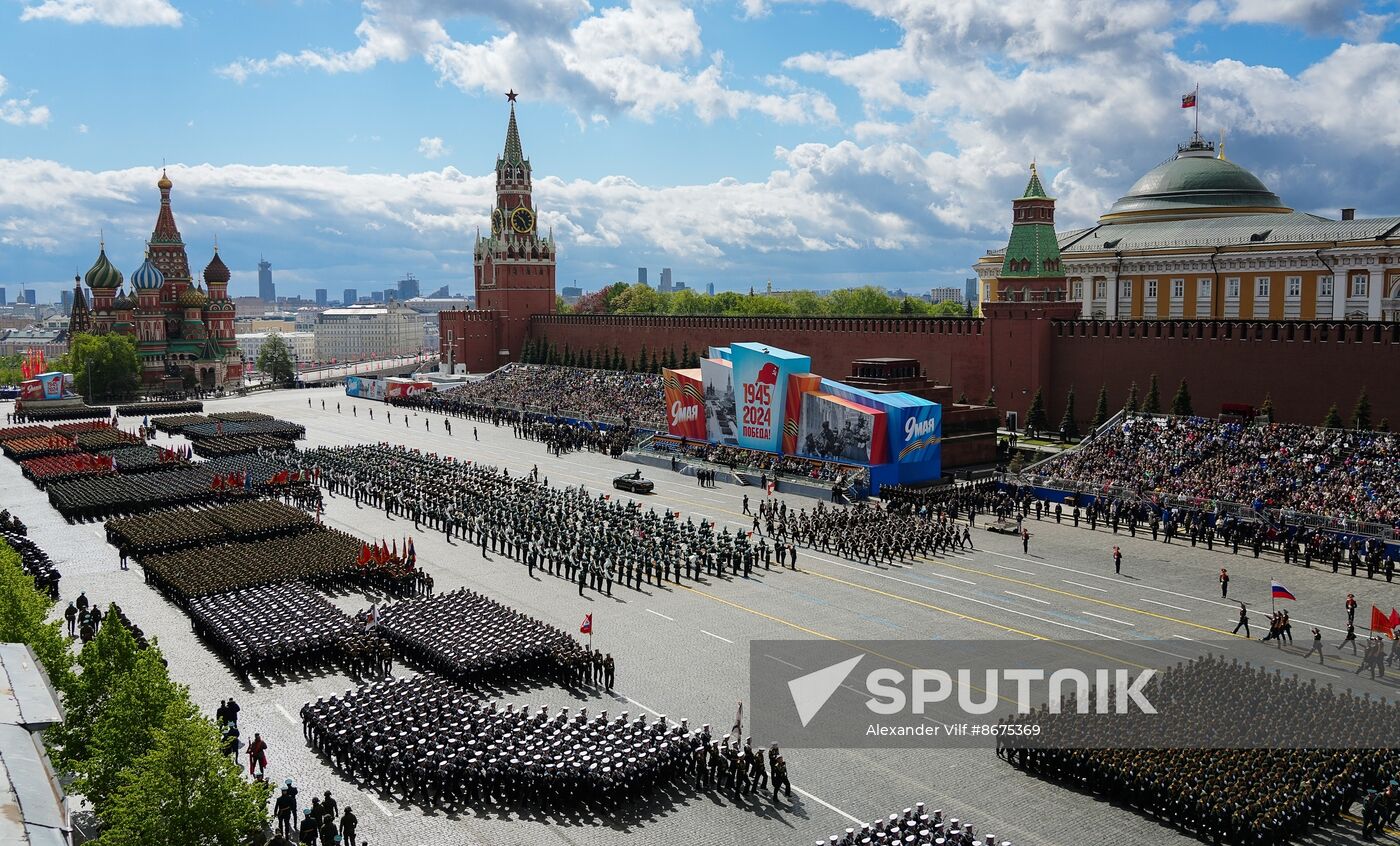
1069 427
1333 420
126 726
561 306
111 654
1100 409
1181 402
183 791
1036 420
637 299
1266 408
10 369
110 362
948 308
275 360
1361 412
1153 403
24 612
1131 404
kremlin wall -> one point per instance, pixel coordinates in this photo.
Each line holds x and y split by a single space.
1235 338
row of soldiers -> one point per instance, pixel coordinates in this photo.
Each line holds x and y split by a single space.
469 637
425 740
590 539
915 827
1278 781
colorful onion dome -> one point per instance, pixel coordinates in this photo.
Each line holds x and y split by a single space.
164 183
216 272
193 297
123 300
147 277
102 275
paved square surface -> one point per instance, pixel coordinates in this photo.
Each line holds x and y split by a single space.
683 650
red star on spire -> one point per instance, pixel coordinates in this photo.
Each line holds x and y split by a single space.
511 95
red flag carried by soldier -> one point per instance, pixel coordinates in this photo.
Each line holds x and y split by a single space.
587 626
1380 622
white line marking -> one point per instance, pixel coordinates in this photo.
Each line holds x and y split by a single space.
716 637
950 578
644 708
1164 605
284 713
1110 619
1013 569
1309 669
662 616
828 805
781 661
814 798
1086 587
1023 596
380 806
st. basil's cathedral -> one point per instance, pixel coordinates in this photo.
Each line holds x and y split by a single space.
183 332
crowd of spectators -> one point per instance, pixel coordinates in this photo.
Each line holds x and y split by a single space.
1286 469
607 395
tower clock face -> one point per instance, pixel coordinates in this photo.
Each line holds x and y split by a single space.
522 220
497 219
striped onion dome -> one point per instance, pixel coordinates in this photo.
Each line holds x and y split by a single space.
124 300
102 275
147 277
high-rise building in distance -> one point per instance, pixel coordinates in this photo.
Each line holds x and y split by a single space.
65 299
31 296
641 276
408 287
4 298
350 297
665 286
267 292
321 298
710 288
376 296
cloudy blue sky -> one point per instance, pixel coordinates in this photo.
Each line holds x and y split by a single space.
817 144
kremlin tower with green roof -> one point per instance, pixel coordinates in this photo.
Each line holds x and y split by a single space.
1031 270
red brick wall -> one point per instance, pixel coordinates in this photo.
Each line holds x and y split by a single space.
1230 362
951 350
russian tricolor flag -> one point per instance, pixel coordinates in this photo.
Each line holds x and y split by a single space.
1281 592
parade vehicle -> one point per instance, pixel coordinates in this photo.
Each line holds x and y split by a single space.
634 483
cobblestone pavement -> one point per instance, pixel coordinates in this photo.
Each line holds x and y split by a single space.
683 652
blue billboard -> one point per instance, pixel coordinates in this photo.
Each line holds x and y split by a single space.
760 383
914 427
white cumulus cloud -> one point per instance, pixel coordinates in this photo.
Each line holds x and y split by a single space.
21 111
432 147
109 12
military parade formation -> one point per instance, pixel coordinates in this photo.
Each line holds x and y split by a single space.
272 629
428 741
1270 785
229 528
470 638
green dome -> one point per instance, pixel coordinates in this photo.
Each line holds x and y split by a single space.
1194 183
102 274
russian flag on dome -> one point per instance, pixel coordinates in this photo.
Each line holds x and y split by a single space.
1281 592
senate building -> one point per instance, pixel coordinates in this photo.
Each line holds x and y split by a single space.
1200 237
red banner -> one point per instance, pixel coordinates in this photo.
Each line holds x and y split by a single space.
685 403
798 384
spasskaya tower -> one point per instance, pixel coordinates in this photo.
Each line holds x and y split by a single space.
514 265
